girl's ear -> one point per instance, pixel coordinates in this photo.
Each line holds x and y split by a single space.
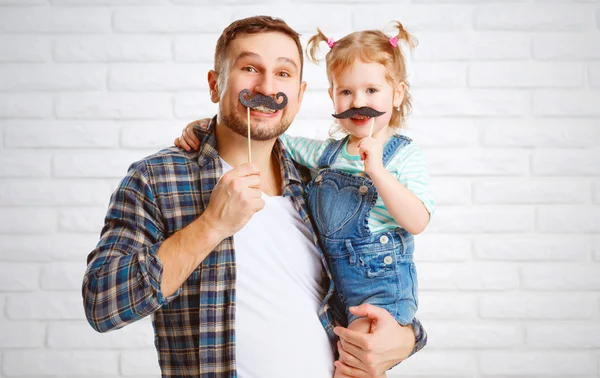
399 94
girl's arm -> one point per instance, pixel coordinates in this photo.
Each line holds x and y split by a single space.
397 187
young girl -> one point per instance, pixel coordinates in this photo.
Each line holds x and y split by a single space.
370 190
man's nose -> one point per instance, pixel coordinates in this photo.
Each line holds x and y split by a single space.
265 86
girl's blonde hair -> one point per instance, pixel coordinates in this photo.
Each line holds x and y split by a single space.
370 46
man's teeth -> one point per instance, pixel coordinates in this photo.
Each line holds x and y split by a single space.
263 109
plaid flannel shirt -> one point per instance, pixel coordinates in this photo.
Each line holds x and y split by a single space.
194 328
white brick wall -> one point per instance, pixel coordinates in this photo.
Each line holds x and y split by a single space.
506 107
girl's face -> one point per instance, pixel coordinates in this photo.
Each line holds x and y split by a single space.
365 84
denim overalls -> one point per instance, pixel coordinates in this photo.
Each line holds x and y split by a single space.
367 268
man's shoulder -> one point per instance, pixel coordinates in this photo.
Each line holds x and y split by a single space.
171 160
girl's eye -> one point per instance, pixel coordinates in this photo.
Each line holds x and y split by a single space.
371 90
345 92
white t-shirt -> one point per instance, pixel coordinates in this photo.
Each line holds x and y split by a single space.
278 293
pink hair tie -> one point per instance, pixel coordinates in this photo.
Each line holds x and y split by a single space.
330 42
394 41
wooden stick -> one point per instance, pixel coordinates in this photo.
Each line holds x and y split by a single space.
249 139
372 123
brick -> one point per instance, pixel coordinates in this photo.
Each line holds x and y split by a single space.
27 221
469 46
472 102
447 306
45 306
442 248
21 164
451 335
15 335
535 17
594 75
561 277
525 75
25 49
439 363
304 18
439 75
110 48
177 20
114 105
316 105
54 247
23 2
442 132
62 276
140 362
26 105
541 133
532 248
597 192
109 2
309 128
61 134
67 363
158 77
596 249
96 164
483 219
477 162
196 48
150 134
530 191
467 276
415 18
540 306
566 46
194 105
55 20
451 191
52 77
574 336
547 364
19 277
582 103
565 163
81 219
79 335
566 219
315 76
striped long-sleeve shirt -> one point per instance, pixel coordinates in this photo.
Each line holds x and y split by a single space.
195 327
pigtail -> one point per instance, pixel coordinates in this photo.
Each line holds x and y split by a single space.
312 48
405 36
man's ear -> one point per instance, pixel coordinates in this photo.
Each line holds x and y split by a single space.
213 85
301 93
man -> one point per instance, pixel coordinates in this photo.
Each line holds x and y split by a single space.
260 309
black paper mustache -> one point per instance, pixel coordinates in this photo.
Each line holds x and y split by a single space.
260 99
363 111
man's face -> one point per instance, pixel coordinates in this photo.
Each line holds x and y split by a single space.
265 63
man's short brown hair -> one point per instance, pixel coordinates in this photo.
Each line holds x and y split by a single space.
252 25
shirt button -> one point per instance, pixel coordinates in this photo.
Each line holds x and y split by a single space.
363 190
388 260
384 239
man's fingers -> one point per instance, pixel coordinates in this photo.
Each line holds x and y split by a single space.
370 311
346 357
359 339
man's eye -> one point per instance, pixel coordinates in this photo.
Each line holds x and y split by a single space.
284 74
249 69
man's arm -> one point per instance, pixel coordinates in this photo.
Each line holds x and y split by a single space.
133 271
386 345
